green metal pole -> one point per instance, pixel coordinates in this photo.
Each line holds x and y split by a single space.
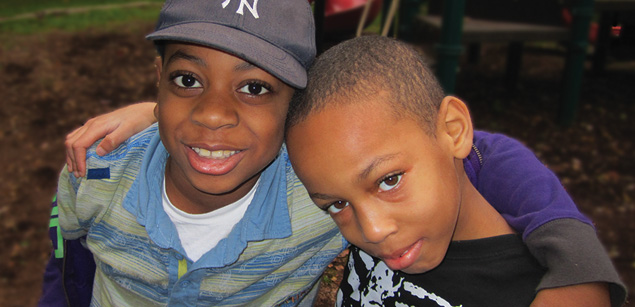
408 11
449 48
582 11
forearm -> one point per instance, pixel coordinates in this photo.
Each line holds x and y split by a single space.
574 255
582 295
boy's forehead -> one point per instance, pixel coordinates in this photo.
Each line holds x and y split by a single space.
196 53
379 102
353 139
353 110
353 115
173 46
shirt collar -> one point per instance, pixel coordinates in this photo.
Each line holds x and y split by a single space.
267 216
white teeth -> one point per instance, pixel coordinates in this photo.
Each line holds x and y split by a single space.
404 253
201 152
216 154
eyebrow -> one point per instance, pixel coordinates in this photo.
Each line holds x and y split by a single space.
183 55
244 66
180 54
321 196
373 165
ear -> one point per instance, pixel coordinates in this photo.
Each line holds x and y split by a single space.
156 110
455 124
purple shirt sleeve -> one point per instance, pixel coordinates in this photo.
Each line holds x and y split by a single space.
519 186
70 271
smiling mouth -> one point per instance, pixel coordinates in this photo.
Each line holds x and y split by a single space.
216 154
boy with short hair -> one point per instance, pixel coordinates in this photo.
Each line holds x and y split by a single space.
205 209
379 147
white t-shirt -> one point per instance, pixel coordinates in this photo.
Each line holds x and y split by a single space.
199 233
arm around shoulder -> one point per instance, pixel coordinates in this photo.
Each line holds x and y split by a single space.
582 295
532 200
579 267
114 127
519 186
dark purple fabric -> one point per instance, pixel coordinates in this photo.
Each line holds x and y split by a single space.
68 281
519 186
53 284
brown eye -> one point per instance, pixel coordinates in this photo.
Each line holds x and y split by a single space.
390 182
340 204
337 206
254 88
186 81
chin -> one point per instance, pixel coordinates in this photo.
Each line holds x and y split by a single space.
422 267
416 270
220 189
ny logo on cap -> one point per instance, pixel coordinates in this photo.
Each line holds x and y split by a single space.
253 9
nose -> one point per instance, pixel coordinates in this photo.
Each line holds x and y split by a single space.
216 111
375 224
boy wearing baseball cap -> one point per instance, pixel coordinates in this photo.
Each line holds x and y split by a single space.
193 211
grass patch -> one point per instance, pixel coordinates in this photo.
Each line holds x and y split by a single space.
15 8
76 21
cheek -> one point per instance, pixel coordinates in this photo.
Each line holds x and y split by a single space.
436 219
172 118
272 131
268 133
270 128
346 223
171 108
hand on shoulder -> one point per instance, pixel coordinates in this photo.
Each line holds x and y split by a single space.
114 127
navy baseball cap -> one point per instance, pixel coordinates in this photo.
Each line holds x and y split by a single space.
276 35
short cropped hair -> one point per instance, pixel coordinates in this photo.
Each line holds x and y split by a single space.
365 68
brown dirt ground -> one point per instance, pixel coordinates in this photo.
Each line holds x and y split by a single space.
52 83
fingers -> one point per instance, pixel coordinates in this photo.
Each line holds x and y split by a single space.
70 156
73 154
78 141
115 127
110 142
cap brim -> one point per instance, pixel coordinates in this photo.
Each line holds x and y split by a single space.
241 44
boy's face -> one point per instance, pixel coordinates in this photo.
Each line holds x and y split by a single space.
221 119
392 189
